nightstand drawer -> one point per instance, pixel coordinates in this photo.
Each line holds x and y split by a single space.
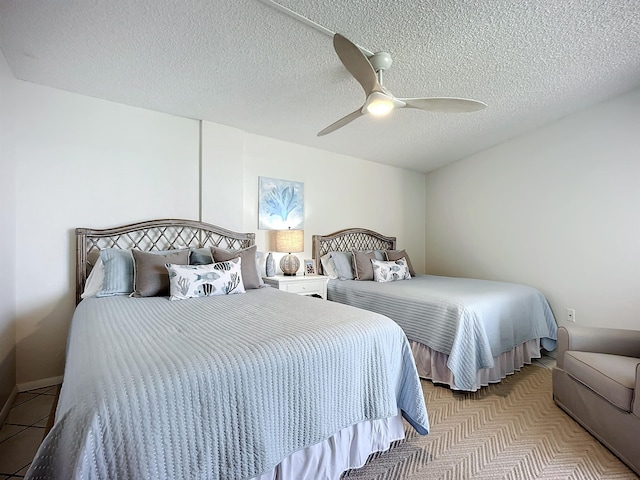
300 285
307 288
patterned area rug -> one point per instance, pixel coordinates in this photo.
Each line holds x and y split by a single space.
510 430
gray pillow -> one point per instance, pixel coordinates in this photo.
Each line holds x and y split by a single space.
363 269
342 262
118 272
151 278
200 256
393 255
249 268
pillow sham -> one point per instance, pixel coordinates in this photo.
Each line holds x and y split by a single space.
190 281
390 271
393 255
250 275
94 281
200 256
363 270
328 267
150 274
118 272
342 262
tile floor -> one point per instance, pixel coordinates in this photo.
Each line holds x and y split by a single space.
22 433
23 430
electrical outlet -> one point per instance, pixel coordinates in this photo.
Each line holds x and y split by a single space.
571 315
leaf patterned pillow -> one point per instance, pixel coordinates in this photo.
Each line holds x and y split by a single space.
390 271
189 281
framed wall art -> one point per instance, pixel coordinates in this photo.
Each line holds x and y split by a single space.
280 204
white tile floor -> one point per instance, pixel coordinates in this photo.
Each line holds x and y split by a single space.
22 433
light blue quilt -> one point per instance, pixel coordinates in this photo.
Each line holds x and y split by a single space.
220 387
470 320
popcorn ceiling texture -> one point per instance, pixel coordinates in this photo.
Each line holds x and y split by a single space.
244 64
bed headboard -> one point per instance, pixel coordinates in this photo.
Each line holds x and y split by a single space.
166 234
347 240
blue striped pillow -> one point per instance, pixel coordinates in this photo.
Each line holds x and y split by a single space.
118 272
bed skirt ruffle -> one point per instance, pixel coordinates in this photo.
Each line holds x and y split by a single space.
349 448
432 365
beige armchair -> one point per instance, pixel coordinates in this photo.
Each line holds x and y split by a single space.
597 382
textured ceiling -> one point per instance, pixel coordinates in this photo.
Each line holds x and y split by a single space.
245 64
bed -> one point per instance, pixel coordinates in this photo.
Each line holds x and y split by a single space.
263 384
465 333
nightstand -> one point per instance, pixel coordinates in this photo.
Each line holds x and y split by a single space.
300 284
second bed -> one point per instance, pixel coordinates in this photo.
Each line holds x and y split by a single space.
465 333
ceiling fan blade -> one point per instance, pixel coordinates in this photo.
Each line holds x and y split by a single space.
444 104
342 122
357 63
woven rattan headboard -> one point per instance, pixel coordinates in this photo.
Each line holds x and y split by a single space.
347 240
151 235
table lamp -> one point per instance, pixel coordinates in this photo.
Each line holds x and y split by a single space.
289 241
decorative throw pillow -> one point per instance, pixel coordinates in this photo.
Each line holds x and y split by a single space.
390 271
151 278
328 266
380 255
250 275
189 281
393 255
200 256
94 282
118 272
342 261
363 270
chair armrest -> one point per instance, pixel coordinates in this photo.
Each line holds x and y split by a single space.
600 340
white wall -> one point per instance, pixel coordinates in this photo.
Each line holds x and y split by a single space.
84 162
339 191
222 176
556 209
8 234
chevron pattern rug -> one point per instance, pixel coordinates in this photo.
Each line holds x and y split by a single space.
509 430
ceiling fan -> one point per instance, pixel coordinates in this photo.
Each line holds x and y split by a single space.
379 101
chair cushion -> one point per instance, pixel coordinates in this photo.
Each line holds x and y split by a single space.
612 377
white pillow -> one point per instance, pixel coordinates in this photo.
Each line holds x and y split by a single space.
94 281
261 265
222 278
390 271
328 266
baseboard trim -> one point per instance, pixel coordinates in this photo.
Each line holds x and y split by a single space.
44 382
4 413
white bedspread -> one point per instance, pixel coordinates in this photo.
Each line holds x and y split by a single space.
220 387
469 320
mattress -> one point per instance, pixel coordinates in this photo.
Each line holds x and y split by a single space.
469 320
220 387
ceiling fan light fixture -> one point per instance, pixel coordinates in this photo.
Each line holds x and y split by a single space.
368 72
378 104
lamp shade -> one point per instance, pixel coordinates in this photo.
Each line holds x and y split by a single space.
289 241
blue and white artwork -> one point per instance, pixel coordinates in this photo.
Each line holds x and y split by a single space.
280 204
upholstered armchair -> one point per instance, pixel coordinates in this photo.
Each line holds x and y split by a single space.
597 382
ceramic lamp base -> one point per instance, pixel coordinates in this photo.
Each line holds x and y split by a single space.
289 264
